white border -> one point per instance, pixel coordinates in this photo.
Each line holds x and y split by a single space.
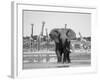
17 41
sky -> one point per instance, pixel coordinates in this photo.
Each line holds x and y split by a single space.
79 22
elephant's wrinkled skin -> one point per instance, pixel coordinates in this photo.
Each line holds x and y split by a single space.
62 39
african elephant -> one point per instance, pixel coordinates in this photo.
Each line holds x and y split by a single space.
62 39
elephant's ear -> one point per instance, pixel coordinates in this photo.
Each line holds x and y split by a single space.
57 33
54 34
70 34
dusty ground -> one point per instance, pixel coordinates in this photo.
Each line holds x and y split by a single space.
77 60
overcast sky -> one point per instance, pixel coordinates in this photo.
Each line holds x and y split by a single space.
76 21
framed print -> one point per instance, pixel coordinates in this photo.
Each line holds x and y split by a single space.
52 40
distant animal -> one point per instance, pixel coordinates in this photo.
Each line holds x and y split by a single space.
62 39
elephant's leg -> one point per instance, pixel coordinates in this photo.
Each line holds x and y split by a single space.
67 52
59 57
68 57
64 57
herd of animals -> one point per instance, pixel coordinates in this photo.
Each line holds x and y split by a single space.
62 38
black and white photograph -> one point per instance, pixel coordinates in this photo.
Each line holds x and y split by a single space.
55 39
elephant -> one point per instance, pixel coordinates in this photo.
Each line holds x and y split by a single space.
62 38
